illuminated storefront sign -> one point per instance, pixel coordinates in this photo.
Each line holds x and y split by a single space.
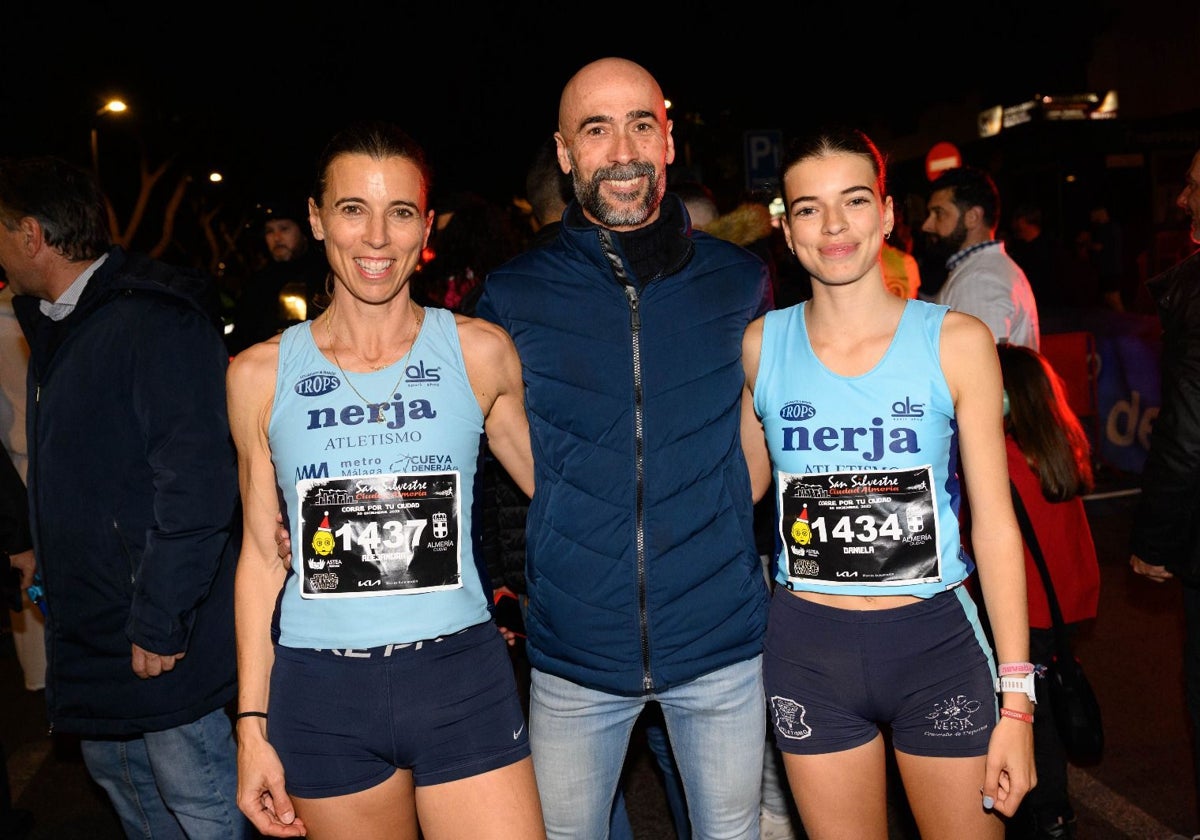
1076 106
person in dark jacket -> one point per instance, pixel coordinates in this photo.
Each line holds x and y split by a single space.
290 286
1165 541
548 190
644 581
133 502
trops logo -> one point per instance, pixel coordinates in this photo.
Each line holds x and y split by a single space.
797 411
316 384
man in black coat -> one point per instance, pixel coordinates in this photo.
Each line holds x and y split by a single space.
133 503
1165 541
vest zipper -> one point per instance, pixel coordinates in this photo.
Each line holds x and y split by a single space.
635 326
639 443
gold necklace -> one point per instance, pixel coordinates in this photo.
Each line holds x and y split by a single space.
412 342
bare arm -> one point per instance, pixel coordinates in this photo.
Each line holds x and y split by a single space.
494 369
754 439
251 386
972 370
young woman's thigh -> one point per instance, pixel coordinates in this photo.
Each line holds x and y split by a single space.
386 811
501 804
945 797
841 794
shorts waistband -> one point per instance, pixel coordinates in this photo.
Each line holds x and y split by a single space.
947 600
385 651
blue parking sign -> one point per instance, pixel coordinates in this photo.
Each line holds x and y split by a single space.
763 156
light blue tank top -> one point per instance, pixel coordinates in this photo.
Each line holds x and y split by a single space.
377 488
867 491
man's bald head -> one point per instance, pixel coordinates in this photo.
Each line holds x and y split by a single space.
585 90
615 139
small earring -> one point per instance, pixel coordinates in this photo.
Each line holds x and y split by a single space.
887 235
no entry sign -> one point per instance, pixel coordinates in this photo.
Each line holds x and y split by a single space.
941 157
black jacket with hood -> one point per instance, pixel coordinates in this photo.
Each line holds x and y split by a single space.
1166 529
133 497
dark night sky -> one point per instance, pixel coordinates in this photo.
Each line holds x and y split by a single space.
255 96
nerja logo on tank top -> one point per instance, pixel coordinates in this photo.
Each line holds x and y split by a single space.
391 415
871 442
394 414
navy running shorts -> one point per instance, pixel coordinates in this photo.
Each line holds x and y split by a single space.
833 677
343 721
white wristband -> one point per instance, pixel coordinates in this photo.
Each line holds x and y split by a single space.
1023 684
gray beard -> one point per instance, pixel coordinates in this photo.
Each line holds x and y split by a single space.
632 213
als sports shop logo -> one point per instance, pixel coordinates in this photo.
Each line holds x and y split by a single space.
907 408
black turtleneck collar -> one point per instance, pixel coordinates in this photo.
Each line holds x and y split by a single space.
656 250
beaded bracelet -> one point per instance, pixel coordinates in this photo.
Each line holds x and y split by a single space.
1016 668
241 715
1015 715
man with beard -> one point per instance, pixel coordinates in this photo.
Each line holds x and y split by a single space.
982 279
644 581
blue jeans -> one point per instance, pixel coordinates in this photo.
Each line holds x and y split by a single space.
177 783
717 728
776 796
656 739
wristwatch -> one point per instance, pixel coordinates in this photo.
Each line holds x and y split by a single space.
1023 683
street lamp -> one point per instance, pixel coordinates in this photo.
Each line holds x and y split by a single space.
112 106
